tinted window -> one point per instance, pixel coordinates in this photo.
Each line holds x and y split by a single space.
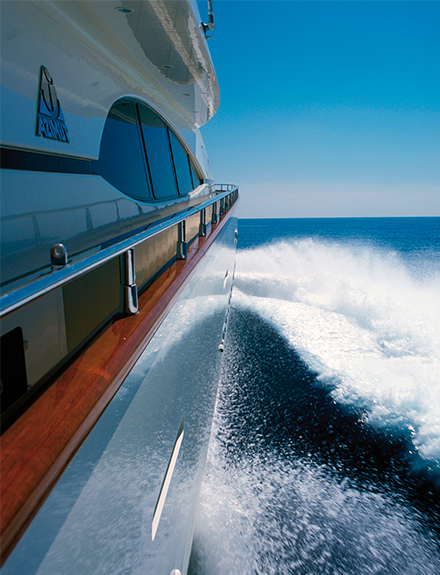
181 163
195 180
158 150
121 159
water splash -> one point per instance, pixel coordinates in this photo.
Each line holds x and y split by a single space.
327 412
270 517
362 320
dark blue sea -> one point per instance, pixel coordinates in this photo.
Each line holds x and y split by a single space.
325 450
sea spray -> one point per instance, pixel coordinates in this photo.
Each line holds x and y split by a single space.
295 483
362 321
325 448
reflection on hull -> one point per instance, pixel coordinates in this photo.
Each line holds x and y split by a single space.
117 256
100 516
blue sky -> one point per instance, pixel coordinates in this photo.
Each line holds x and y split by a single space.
327 108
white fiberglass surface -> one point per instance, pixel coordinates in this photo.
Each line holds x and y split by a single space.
97 55
98 519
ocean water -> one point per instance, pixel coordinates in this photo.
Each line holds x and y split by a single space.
325 450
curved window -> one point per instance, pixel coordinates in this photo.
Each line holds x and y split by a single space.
157 146
121 158
195 180
182 165
141 156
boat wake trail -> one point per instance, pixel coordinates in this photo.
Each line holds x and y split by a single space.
325 455
365 323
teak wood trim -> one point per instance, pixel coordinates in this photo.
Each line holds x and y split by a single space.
39 445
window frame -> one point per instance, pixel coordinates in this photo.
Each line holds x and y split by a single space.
193 167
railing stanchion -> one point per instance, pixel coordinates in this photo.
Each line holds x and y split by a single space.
214 217
182 246
202 225
128 300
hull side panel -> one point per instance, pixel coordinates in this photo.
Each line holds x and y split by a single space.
124 459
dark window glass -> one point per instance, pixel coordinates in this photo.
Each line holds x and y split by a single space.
121 158
158 150
12 368
196 181
181 163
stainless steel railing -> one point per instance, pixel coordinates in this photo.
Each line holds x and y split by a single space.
225 194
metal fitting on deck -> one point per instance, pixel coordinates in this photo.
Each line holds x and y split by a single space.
128 300
202 225
182 246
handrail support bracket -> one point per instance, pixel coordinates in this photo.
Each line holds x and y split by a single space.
128 301
182 246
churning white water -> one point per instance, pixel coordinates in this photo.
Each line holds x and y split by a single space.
365 323
278 517
368 325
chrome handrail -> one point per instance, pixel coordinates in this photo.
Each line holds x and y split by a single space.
223 187
63 274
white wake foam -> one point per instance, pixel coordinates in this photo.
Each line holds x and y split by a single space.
273 515
366 322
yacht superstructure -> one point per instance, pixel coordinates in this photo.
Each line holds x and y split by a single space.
117 267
